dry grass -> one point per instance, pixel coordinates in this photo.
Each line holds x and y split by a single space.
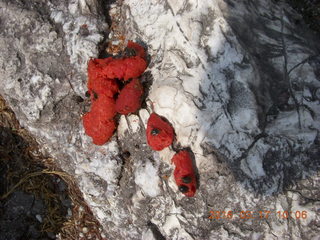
36 175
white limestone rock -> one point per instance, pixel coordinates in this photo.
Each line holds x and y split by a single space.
238 81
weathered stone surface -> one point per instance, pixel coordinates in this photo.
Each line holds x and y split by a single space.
238 81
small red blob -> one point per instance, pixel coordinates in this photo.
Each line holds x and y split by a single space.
129 99
160 133
139 50
135 67
184 174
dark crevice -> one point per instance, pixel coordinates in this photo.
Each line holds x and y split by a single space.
155 231
124 156
104 8
147 81
286 76
246 151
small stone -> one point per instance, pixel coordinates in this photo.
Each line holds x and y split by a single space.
39 218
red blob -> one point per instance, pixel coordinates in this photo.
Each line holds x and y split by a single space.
100 131
160 133
137 48
129 99
122 68
97 83
184 174
104 106
102 86
95 66
99 123
125 68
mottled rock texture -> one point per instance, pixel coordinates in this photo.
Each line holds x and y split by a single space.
238 81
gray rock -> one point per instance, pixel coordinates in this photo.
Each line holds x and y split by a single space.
239 81
16 211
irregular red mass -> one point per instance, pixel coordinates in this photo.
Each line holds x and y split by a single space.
160 133
97 83
96 65
129 99
100 131
102 86
125 68
122 68
104 106
184 173
99 123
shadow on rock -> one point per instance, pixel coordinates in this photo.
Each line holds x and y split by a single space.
32 205
267 132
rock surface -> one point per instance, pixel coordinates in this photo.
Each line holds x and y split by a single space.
240 83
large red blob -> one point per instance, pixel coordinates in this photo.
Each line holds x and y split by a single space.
121 68
184 174
129 99
102 86
160 133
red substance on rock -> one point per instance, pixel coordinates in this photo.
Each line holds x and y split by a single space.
139 50
97 83
102 86
160 133
99 123
100 131
125 68
129 99
95 66
122 68
184 174
104 106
